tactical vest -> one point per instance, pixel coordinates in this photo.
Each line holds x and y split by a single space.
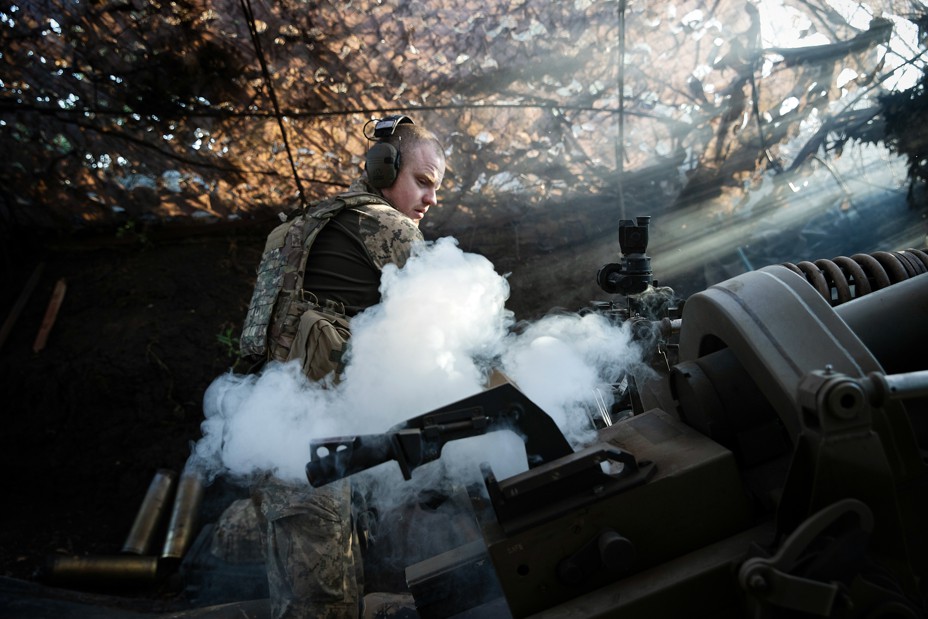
278 300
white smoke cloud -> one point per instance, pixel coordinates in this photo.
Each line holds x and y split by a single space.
562 361
441 327
420 347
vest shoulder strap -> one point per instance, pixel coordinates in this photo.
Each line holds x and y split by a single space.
283 265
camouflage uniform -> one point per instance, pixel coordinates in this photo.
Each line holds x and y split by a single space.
318 269
345 262
313 558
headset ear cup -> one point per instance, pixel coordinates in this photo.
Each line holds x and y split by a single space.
382 165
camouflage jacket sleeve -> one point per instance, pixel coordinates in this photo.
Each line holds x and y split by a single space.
388 235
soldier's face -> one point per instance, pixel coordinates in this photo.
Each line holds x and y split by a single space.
415 189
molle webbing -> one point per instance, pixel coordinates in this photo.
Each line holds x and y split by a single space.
280 275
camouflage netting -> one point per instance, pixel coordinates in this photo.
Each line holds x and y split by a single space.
132 113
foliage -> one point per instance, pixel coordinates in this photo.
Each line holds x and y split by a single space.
904 112
228 339
131 231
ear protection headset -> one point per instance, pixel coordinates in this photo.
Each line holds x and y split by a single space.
383 159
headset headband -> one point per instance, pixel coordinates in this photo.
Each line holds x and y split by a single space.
385 127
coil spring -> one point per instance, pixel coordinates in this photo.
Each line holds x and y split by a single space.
841 279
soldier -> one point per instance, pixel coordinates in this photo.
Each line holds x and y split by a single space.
319 269
323 265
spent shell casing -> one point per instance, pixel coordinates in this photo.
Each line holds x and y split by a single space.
184 515
101 569
150 513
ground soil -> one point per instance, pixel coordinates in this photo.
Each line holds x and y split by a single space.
116 393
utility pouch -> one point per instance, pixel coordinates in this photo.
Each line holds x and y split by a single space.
319 339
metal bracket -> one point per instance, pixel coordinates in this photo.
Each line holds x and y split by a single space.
774 582
549 490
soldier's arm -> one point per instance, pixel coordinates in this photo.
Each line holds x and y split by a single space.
388 235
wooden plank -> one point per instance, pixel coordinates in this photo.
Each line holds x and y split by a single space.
51 314
13 316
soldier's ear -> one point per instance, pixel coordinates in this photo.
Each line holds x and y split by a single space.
383 160
383 165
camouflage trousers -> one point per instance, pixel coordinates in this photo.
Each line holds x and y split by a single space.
313 559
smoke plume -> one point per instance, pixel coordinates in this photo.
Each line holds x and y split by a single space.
442 326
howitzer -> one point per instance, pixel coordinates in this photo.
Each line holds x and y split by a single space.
776 468
419 440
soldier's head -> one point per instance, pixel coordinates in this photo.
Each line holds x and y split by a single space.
410 170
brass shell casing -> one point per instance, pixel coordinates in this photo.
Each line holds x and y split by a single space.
184 516
151 513
101 568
